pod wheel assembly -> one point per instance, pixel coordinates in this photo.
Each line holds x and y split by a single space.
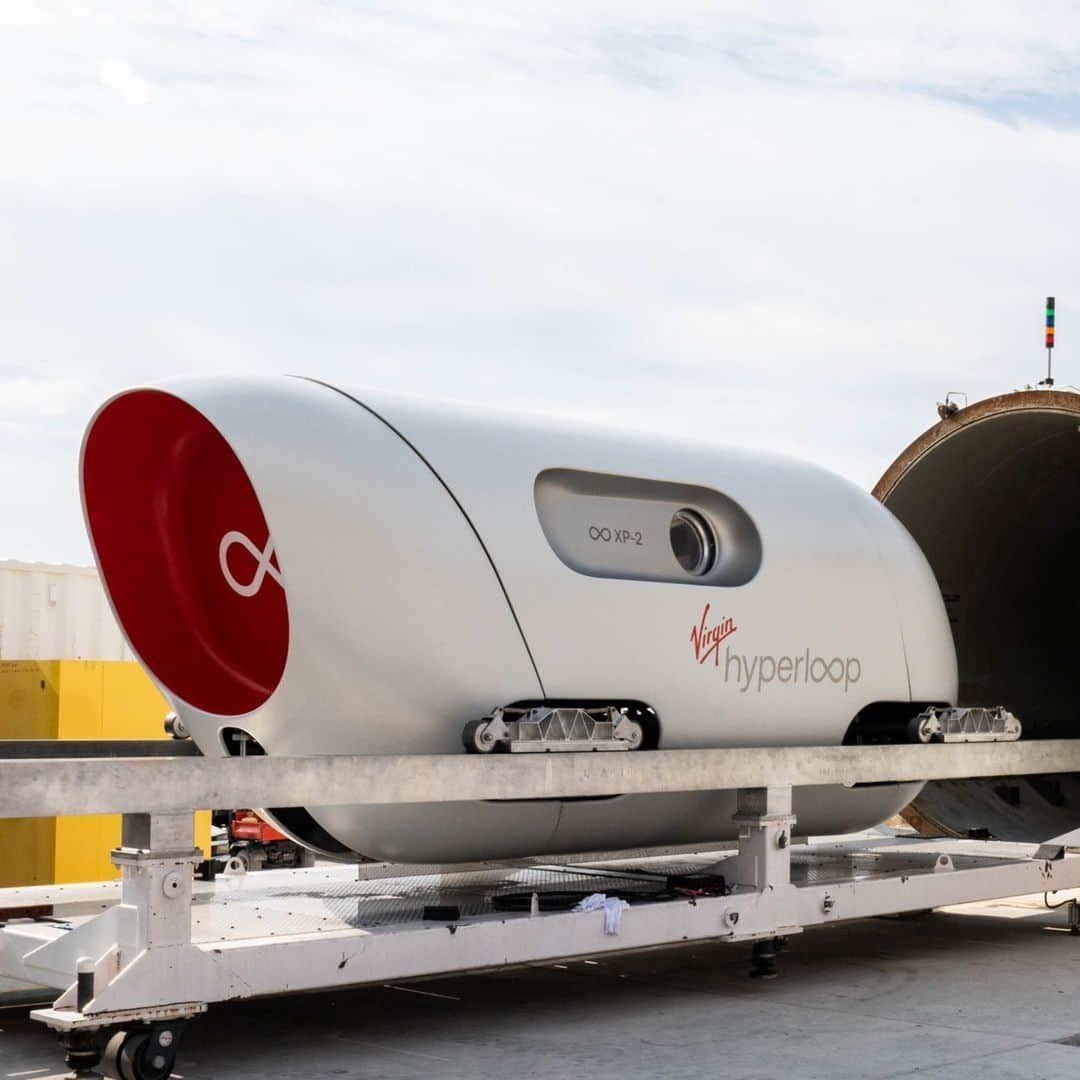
477 738
142 1054
554 729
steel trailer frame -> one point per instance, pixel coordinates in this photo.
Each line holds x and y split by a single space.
137 963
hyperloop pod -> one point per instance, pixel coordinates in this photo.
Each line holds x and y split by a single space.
990 495
324 571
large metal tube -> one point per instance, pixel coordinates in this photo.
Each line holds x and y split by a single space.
990 495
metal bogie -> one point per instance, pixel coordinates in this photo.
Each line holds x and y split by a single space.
968 724
554 729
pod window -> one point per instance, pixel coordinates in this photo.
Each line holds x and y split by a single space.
692 542
612 526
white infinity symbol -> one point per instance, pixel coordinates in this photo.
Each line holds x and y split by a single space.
262 560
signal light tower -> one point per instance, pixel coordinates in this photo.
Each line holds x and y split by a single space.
1049 380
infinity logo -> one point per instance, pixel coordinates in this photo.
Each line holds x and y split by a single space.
262 560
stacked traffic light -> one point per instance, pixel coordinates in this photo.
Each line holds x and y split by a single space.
1049 322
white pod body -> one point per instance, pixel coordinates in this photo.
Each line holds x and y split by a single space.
358 573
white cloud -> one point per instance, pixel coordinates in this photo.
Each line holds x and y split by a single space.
117 75
794 230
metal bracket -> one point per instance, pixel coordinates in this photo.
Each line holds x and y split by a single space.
149 929
764 820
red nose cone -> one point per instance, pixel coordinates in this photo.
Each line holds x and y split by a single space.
185 552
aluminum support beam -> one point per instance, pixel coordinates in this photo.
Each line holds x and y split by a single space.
47 788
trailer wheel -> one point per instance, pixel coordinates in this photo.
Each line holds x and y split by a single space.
142 1055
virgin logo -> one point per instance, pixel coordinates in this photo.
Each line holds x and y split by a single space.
263 566
706 639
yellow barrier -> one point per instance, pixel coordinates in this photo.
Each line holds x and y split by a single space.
74 699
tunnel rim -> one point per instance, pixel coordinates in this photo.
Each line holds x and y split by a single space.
1061 401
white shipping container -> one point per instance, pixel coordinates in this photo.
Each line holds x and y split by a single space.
50 612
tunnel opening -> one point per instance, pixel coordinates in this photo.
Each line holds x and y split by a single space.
990 495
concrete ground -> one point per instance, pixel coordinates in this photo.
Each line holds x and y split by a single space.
982 991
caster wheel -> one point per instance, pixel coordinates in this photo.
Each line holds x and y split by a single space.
916 733
637 735
176 727
472 736
141 1055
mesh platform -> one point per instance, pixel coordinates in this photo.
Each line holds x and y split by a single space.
291 902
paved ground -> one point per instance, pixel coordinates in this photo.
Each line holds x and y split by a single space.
986 991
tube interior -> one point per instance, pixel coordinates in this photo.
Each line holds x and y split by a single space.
994 506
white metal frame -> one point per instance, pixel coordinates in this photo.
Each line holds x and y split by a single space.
138 962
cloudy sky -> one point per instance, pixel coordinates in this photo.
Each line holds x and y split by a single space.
790 225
